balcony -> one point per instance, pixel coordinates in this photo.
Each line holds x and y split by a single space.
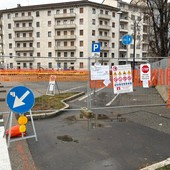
58 59
65 48
23 39
104 38
65 37
24 59
23 18
105 48
24 48
124 19
103 16
20 29
1 41
103 59
123 29
65 26
65 15
104 27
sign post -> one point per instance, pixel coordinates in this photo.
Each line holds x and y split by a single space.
20 100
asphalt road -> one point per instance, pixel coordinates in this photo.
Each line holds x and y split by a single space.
129 145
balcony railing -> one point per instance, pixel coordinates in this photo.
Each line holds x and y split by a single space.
24 48
65 26
103 16
19 29
23 18
65 48
65 37
58 59
24 59
104 38
23 39
65 15
104 27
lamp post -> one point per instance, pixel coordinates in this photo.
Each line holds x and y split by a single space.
134 44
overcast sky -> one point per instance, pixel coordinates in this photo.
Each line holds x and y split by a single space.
6 4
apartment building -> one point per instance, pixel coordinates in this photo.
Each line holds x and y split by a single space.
60 35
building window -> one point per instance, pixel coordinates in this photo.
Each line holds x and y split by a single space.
81 10
93 11
30 24
81 43
24 44
113 14
65 32
113 55
49 65
49 13
24 34
38 54
58 54
101 11
10 45
106 12
81 65
11 65
93 22
81 21
38 44
72 54
72 32
37 24
29 13
72 43
58 33
81 32
17 25
65 54
105 55
38 65
49 44
49 54
16 14
49 23
9 36
71 10
113 24
9 26
65 43
113 45
64 11
30 44
65 22
23 24
93 32
37 34
9 16
113 35
81 54
57 11
49 33
22 14
37 14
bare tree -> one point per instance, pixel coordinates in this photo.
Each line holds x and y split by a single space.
159 12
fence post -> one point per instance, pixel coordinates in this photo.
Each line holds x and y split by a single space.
169 82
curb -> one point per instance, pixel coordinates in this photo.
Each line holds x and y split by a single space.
157 165
56 112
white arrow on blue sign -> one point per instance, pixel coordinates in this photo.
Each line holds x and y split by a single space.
127 39
20 99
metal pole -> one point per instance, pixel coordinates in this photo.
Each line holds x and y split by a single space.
134 50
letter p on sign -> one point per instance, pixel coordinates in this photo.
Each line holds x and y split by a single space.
96 47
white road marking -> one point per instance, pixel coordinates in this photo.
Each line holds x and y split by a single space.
108 104
72 89
82 98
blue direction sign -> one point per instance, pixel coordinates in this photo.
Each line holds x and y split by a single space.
20 99
127 39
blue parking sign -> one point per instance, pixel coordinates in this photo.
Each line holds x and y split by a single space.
20 99
96 47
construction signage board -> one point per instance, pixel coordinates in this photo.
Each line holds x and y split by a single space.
145 72
122 79
99 72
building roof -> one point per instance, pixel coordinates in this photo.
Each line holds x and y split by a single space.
20 8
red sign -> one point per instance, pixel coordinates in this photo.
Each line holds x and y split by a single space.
145 69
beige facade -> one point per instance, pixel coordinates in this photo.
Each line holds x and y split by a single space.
60 36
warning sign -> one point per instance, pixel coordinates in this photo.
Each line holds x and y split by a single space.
122 78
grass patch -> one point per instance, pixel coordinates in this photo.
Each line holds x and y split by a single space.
167 167
46 102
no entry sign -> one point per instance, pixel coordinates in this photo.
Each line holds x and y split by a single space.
145 72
